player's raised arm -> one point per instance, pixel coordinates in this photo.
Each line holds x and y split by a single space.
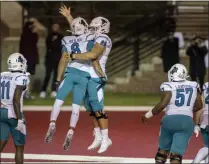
66 13
96 51
17 100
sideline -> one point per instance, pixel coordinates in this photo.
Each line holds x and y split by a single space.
107 108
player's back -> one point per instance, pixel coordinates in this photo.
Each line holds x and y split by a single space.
183 98
104 40
9 81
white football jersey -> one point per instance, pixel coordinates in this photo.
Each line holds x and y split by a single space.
79 44
105 41
204 118
9 81
183 98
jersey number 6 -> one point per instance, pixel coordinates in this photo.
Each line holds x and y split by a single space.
181 96
76 49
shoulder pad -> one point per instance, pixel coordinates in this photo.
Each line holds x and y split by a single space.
22 80
166 86
102 39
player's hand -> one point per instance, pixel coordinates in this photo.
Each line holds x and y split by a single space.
56 85
21 126
197 130
72 55
144 119
103 79
65 11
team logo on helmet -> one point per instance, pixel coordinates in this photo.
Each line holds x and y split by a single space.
175 69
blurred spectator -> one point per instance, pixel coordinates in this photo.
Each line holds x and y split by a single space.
180 36
170 22
28 47
197 51
170 52
53 54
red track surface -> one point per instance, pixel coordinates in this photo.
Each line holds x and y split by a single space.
130 137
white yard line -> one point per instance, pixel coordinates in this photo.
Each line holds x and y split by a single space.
93 159
107 108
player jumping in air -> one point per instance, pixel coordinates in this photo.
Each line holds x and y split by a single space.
201 120
13 86
94 100
75 79
180 98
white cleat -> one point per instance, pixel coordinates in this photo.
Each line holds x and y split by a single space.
104 146
97 141
50 132
68 139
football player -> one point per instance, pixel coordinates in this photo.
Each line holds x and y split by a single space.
94 100
75 79
13 86
201 120
180 98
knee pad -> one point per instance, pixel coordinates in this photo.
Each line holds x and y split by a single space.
161 157
101 114
176 157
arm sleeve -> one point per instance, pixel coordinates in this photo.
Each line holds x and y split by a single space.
102 40
22 80
165 87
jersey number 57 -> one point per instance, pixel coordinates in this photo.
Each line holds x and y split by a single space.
182 96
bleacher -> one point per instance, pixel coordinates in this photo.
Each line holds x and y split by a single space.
141 23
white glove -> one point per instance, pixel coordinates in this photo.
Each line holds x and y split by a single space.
196 130
21 126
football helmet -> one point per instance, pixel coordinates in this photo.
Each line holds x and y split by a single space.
100 25
17 62
79 26
178 72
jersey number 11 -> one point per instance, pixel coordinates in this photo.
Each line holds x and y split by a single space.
5 86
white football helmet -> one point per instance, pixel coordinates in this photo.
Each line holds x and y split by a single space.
178 72
79 26
100 25
17 62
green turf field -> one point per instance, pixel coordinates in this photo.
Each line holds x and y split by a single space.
111 99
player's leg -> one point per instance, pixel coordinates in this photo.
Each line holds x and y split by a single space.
164 141
19 139
203 152
79 91
96 97
97 133
64 90
181 138
207 159
19 154
4 128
